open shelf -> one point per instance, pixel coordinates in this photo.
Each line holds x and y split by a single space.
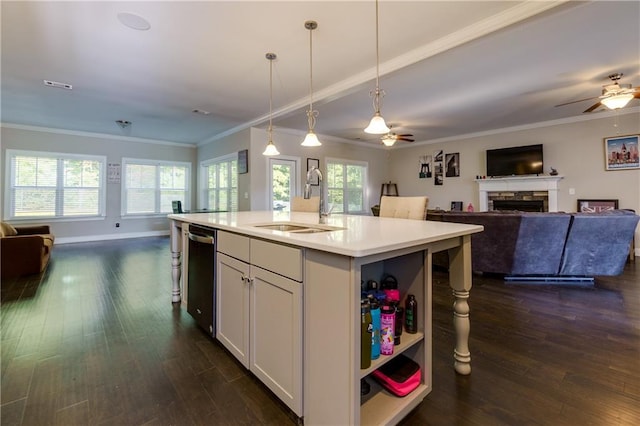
407 340
380 407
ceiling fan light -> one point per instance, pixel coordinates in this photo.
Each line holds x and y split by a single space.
271 149
388 141
617 101
377 126
311 139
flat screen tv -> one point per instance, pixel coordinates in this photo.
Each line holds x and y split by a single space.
515 161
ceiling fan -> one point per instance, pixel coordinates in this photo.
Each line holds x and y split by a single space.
614 96
390 138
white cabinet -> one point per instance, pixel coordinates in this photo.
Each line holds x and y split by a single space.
276 335
232 306
259 317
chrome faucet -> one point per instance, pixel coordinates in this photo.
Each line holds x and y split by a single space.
307 193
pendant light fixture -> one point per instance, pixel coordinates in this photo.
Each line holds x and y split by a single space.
377 126
311 139
271 148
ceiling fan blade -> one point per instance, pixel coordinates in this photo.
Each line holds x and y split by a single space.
593 107
575 102
405 139
406 135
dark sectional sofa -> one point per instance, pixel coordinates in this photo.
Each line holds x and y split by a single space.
547 244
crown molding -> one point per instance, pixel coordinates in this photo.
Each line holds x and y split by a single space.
94 135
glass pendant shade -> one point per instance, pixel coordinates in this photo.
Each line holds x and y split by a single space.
617 101
388 141
311 139
271 149
377 126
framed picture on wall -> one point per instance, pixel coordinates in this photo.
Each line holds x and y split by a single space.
621 153
243 161
452 162
596 206
313 162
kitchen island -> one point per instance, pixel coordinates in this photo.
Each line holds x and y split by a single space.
313 364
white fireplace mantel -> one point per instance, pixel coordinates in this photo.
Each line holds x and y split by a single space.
520 183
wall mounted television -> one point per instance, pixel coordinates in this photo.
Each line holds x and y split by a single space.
515 161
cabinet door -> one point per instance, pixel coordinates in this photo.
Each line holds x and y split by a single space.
232 307
276 335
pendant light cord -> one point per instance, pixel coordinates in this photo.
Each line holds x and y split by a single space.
377 94
311 69
271 58
311 114
377 53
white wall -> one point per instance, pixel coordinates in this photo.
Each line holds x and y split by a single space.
575 149
114 149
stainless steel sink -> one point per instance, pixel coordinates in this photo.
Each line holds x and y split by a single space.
297 228
282 227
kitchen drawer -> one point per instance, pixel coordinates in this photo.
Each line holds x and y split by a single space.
278 258
234 245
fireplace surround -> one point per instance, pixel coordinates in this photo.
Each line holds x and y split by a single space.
533 188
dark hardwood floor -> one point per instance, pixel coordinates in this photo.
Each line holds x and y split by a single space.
96 341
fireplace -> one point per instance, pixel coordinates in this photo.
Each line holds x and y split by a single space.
520 205
522 188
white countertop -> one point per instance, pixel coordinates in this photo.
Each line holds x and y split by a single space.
362 236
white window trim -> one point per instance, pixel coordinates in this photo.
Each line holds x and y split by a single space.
365 195
8 208
143 161
202 177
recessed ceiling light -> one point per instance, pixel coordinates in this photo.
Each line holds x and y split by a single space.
200 111
57 84
134 22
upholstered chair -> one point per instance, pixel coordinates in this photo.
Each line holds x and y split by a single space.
404 207
300 204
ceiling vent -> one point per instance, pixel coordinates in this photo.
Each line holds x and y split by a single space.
123 123
57 84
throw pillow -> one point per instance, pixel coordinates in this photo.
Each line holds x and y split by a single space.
7 230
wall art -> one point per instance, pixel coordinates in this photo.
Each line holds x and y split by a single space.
621 153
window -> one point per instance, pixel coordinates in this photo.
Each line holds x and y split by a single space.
54 185
346 183
219 180
149 186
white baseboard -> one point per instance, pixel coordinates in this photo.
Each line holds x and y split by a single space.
88 238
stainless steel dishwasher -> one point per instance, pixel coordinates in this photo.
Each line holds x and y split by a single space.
201 277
